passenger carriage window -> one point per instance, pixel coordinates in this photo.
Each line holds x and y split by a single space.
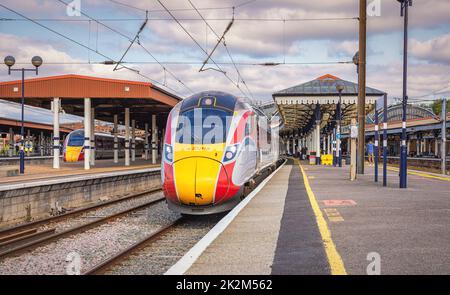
248 127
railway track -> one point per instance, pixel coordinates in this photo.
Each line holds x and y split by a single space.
31 225
161 248
108 263
141 239
21 238
156 252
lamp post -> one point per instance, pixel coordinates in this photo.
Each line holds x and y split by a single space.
339 88
37 62
403 151
355 60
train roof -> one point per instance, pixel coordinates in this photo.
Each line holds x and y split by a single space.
101 134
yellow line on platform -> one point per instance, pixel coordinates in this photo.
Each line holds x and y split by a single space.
422 174
334 259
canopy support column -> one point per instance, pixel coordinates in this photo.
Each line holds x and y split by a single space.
92 160
127 136
133 140
116 139
154 140
56 141
146 156
87 132
12 146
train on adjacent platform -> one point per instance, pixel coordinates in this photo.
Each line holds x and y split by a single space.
215 146
73 147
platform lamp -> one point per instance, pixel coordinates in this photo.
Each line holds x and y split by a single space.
355 60
37 62
339 88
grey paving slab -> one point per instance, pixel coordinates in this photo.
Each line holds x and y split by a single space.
409 228
299 247
248 245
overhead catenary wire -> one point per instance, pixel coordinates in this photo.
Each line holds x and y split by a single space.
180 9
433 93
199 63
257 19
132 41
201 47
108 59
221 39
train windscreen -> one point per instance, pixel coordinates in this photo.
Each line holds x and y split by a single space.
76 139
203 126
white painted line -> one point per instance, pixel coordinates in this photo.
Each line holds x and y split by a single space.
65 179
194 253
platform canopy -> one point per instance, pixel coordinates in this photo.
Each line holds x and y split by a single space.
109 96
298 104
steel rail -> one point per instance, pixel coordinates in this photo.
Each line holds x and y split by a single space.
22 227
77 229
106 264
23 238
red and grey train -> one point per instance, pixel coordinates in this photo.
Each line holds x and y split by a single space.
215 145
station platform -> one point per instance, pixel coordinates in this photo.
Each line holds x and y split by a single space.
34 172
314 220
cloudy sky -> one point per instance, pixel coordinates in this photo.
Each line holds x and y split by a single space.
312 38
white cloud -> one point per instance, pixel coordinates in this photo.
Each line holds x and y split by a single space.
434 50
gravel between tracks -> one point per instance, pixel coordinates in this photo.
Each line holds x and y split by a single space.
160 255
93 246
91 215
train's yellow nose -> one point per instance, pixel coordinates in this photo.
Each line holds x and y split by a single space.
195 180
72 154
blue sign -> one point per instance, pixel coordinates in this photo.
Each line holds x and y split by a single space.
338 135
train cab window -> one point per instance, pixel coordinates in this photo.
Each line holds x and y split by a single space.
203 126
76 139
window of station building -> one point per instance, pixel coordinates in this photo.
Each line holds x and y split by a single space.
99 142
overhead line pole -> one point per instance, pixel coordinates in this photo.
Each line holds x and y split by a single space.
361 85
385 120
403 150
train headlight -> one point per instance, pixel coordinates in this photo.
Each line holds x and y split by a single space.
230 153
168 153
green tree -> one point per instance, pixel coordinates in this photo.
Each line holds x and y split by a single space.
437 106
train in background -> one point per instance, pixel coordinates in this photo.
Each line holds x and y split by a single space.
73 147
206 169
